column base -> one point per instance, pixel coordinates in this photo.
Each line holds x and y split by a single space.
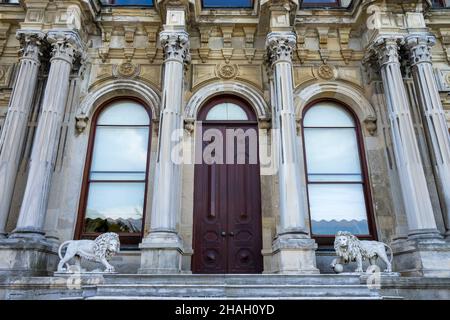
28 257
161 253
424 256
294 254
32 234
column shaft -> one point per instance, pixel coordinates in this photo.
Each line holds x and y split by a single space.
293 213
416 198
293 249
34 204
14 130
432 113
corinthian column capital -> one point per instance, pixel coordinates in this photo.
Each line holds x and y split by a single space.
419 46
386 50
280 46
65 46
175 45
30 44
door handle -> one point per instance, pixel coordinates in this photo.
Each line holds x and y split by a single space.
231 234
223 233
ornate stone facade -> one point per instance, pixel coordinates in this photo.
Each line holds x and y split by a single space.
386 62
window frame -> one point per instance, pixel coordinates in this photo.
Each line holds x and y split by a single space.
227 7
226 98
329 239
130 240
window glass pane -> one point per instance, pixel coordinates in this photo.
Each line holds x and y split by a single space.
120 149
328 114
128 2
115 207
226 111
228 3
332 153
124 113
337 207
105 175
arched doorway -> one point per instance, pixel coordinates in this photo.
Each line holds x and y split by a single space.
227 193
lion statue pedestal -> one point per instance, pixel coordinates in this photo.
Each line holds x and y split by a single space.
349 248
100 250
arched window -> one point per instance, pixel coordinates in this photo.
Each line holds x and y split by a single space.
115 180
337 180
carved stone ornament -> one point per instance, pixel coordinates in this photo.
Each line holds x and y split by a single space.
100 250
126 70
81 123
227 71
349 248
66 46
371 125
30 44
280 46
326 72
420 48
189 125
175 45
386 50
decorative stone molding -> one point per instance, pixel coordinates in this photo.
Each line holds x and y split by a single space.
65 46
30 44
189 125
81 122
420 48
117 88
280 46
386 49
227 71
371 124
326 72
175 45
341 91
246 91
126 70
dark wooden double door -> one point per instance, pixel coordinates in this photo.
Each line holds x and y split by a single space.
227 210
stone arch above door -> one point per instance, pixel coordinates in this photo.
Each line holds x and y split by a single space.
249 93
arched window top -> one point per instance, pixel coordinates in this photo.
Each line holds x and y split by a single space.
226 111
328 114
123 113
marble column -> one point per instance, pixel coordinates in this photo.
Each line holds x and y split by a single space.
415 195
294 250
419 46
15 127
162 248
65 49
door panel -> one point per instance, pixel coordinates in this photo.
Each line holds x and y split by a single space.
227 213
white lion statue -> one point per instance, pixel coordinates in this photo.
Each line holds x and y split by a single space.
101 250
349 248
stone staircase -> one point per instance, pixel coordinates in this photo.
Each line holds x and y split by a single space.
234 286
93 286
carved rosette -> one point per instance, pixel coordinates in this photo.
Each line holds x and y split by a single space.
30 44
66 46
280 46
386 50
227 71
420 48
175 45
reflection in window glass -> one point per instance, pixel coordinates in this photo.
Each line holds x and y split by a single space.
117 177
227 3
128 2
226 111
334 175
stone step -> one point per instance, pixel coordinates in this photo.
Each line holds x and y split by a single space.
234 291
234 279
